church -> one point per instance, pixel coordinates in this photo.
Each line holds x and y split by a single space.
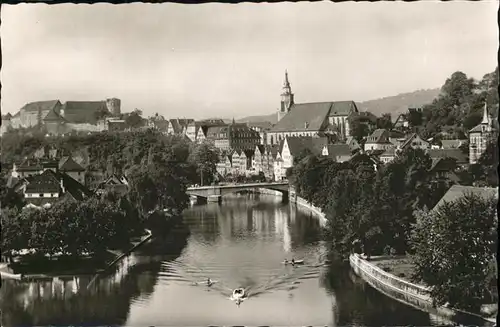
481 135
317 119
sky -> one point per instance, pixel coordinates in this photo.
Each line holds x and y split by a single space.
226 60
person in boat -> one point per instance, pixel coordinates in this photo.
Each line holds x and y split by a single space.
293 261
209 281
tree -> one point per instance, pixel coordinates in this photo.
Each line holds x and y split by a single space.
385 121
204 158
454 245
134 119
415 118
359 127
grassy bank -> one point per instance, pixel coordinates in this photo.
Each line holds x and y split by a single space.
403 267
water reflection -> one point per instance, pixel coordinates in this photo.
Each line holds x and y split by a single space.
241 243
89 300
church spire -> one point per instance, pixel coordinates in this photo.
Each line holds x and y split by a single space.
485 115
286 84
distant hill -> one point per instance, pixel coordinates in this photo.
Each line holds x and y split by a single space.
272 118
394 104
399 103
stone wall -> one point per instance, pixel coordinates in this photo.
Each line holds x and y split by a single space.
295 199
408 293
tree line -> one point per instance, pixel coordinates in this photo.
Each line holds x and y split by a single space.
457 109
384 209
158 168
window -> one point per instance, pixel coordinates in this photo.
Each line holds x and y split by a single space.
40 195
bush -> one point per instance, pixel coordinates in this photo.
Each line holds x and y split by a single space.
454 246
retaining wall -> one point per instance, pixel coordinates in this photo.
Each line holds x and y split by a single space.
403 291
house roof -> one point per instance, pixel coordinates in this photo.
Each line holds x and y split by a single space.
41 105
83 111
214 131
7 116
275 149
46 182
458 191
304 117
343 108
68 164
335 150
411 138
390 152
448 153
450 144
53 116
378 136
29 165
300 143
262 125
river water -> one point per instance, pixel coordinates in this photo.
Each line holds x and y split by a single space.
240 243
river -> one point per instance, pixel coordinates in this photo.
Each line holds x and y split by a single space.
240 243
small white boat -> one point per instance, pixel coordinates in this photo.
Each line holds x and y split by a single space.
238 294
294 262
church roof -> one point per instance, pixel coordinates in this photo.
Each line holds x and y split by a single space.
304 117
343 108
41 105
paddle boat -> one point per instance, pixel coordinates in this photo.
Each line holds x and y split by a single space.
238 294
293 262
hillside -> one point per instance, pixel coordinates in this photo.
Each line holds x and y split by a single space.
394 104
399 103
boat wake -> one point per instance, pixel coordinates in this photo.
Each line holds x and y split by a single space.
226 279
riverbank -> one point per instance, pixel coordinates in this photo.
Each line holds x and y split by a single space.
400 288
297 200
66 266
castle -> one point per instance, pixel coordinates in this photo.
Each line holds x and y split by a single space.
60 118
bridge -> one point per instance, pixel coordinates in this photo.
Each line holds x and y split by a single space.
215 192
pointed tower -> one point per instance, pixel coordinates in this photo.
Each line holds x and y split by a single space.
486 119
286 98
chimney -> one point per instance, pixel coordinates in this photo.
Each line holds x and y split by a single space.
306 124
62 186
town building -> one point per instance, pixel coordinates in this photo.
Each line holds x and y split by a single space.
310 119
481 135
234 136
458 191
178 126
51 186
60 118
338 152
293 147
6 123
115 184
158 122
414 141
378 140
72 168
262 128
192 130
388 155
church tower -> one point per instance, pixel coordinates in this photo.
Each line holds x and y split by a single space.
286 98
